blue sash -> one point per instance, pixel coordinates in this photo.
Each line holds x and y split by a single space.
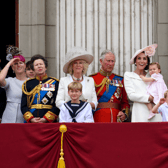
42 94
107 95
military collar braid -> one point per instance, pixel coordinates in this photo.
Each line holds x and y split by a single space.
102 72
40 78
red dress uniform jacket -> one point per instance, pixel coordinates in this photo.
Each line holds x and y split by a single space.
111 95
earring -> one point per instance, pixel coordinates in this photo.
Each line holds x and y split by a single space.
135 64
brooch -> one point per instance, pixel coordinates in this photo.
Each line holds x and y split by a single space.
49 94
45 100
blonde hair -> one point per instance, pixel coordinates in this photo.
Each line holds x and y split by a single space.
85 67
157 64
165 94
75 85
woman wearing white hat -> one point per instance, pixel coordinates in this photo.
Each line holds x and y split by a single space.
137 89
77 63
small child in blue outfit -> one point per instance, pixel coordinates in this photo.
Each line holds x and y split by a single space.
75 110
162 107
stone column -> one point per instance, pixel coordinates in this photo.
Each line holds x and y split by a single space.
32 27
50 38
162 37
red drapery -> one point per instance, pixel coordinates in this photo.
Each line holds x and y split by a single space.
96 145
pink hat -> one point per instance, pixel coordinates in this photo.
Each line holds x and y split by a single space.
149 51
19 56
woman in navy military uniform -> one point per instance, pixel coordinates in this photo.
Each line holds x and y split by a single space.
39 93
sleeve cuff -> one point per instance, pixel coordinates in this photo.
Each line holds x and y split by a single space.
95 103
28 116
50 116
126 112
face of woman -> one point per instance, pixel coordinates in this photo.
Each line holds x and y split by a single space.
141 61
30 73
39 67
19 67
77 66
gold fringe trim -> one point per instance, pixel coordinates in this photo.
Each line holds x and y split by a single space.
127 112
61 162
104 82
30 94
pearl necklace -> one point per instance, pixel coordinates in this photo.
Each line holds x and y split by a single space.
77 79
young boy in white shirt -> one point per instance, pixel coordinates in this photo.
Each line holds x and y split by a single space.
75 110
162 107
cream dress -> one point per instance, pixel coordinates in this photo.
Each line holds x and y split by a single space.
137 92
88 90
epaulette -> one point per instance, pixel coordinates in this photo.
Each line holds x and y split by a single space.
54 78
93 74
24 83
118 75
32 93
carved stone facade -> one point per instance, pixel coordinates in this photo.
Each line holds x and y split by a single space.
52 27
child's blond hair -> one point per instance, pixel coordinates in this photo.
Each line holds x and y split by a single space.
75 85
165 94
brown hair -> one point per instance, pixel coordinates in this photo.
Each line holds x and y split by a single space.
29 65
157 64
38 56
147 66
75 85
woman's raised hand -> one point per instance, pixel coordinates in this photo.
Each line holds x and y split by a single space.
14 60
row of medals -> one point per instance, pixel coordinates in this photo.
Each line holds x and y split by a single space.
49 88
114 82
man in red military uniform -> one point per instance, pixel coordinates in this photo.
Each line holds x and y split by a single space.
113 104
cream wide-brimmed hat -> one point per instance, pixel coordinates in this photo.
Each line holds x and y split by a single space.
77 53
149 51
